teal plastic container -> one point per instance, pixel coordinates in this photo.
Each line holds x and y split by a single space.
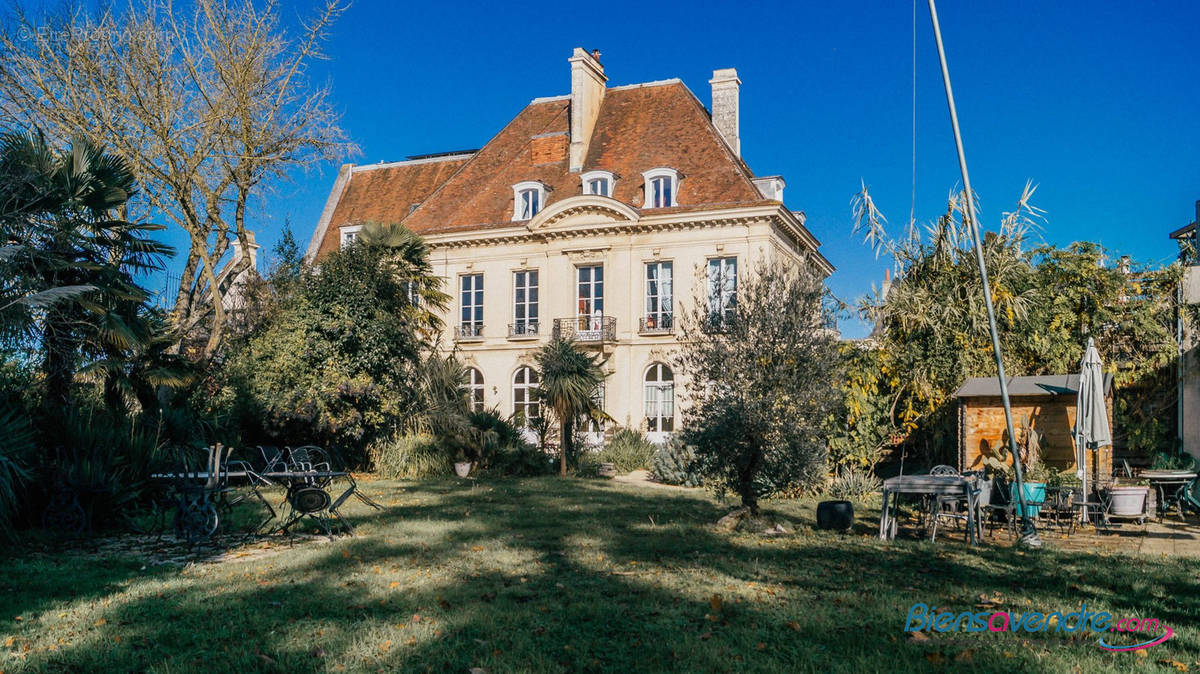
1035 492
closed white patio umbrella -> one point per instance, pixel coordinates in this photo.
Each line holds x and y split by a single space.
1091 414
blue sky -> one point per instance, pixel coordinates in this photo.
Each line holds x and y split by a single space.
1094 101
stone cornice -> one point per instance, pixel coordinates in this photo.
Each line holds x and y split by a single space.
622 219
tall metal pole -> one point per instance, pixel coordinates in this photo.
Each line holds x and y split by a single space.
1028 530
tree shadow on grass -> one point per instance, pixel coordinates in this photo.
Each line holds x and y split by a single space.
550 575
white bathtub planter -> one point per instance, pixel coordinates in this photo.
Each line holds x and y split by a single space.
1128 501
462 468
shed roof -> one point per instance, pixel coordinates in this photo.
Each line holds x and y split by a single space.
1039 385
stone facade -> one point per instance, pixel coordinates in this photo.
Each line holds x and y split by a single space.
614 268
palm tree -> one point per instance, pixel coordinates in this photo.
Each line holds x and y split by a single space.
408 256
68 261
569 379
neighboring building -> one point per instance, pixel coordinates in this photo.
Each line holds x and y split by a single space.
592 215
1188 374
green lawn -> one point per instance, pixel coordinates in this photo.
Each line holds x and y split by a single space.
571 575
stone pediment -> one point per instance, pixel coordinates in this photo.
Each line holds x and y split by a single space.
587 210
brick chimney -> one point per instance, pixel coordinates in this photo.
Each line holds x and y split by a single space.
725 85
587 92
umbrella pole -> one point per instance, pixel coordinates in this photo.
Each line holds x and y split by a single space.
1029 534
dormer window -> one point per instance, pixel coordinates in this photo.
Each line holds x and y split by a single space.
599 183
661 186
528 199
350 234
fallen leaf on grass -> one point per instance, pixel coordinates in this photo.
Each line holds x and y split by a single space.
935 657
394 584
99 622
715 602
793 625
9 642
1179 666
918 636
965 656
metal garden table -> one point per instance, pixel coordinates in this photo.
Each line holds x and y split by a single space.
308 495
1172 489
928 485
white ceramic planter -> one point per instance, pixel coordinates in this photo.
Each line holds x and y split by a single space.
1128 501
462 469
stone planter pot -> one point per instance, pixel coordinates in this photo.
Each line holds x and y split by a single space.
607 470
835 515
1128 501
462 468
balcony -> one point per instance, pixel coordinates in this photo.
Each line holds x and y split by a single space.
523 330
657 324
587 329
469 332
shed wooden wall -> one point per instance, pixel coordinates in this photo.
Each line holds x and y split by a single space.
981 428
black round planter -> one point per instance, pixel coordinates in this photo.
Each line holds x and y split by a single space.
835 515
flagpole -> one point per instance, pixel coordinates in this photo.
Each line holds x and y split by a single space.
1029 534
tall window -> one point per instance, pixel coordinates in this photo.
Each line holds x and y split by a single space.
525 403
592 426
598 182
590 294
475 389
659 397
471 299
413 290
722 289
661 186
528 198
525 302
659 296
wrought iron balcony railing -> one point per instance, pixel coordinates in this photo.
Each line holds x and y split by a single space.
469 332
587 329
657 324
523 329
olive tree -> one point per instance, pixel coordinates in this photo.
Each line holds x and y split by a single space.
759 366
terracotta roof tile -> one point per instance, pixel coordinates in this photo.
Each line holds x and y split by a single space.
387 193
638 128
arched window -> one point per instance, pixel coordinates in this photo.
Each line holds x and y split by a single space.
475 388
598 182
661 187
528 198
525 403
659 397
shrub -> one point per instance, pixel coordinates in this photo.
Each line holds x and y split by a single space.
628 450
853 485
674 463
409 456
520 460
18 442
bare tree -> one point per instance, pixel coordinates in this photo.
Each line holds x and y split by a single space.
211 106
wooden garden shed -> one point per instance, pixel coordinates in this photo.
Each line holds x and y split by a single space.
1047 401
